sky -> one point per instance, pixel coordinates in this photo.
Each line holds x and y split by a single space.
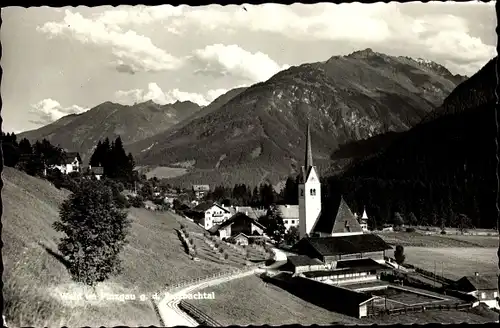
60 61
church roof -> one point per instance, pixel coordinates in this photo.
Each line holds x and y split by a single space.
337 218
341 245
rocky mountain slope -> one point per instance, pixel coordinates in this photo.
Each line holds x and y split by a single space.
259 134
133 123
445 163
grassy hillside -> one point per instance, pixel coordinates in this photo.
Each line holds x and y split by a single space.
35 280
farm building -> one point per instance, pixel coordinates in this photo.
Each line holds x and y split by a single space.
239 239
96 171
238 223
348 272
71 162
483 287
333 298
301 263
290 215
200 191
208 214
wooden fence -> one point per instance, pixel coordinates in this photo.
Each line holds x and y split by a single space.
201 317
377 311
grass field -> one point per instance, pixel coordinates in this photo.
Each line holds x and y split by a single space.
248 301
35 280
437 241
165 172
456 262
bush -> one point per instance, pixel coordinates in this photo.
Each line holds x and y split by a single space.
399 254
221 250
191 241
93 256
410 229
226 256
443 232
121 201
137 201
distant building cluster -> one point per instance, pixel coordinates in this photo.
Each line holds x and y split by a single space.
72 162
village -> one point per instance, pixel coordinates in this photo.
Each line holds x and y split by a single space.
320 253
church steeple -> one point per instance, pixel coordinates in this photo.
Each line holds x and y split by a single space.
309 159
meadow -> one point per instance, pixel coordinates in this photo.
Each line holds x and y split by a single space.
417 239
37 287
453 262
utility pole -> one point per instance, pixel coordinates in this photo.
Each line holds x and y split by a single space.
434 273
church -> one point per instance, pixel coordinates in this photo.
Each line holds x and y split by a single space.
333 247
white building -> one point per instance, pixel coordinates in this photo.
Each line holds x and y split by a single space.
208 214
290 215
315 219
71 163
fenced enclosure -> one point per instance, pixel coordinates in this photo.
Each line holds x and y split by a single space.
200 317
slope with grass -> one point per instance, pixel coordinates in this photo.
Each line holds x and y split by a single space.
417 239
38 289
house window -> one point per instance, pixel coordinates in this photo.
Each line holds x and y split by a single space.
302 192
483 295
313 192
293 221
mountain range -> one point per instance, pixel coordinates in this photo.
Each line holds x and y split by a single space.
445 163
259 134
81 132
255 134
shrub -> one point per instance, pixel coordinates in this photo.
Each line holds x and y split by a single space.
399 254
137 202
226 256
443 232
121 201
93 256
191 241
410 229
221 250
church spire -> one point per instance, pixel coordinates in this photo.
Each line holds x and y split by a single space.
309 159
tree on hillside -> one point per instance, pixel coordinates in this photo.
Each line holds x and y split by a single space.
464 222
10 149
273 222
292 236
255 201
267 197
399 255
291 191
398 220
412 219
25 147
95 232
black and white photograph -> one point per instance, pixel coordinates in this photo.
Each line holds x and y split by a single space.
250 164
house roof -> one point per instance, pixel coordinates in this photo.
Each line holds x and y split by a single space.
251 212
289 211
201 187
317 287
238 217
481 282
70 157
337 218
241 234
204 206
340 245
303 260
98 170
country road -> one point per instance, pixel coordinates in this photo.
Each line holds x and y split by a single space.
169 309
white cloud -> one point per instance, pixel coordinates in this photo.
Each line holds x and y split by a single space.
49 110
129 48
156 94
235 61
433 36
139 15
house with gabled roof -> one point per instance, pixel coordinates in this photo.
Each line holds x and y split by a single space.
207 214
71 162
96 171
238 223
290 215
483 287
200 191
